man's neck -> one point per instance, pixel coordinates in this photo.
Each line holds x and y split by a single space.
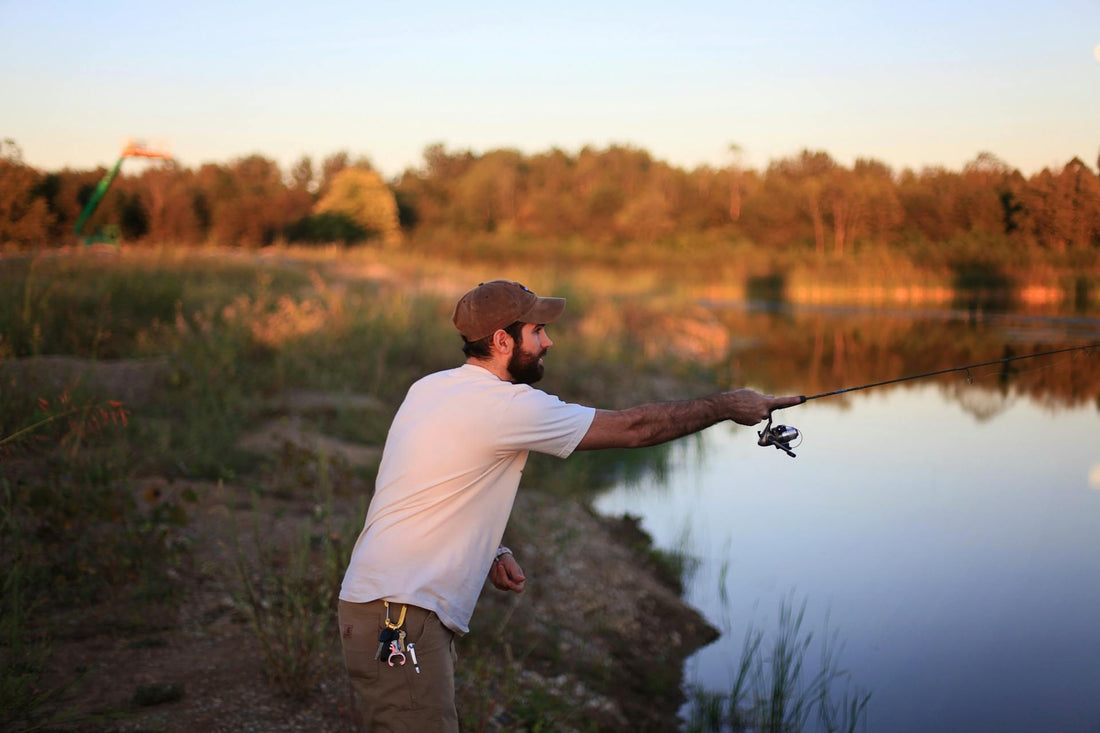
496 367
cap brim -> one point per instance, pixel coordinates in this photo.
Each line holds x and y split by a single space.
545 310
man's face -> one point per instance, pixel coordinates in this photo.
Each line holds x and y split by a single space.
525 364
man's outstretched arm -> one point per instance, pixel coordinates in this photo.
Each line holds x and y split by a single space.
661 422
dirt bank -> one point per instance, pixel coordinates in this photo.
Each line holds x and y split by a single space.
596 643
598 638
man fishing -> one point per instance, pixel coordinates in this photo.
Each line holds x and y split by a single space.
446 483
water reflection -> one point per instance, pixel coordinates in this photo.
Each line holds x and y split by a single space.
808 350
949 537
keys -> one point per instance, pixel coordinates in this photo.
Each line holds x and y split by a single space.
391 640
396 656
385 639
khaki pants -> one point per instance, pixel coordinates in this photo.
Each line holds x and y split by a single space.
396 698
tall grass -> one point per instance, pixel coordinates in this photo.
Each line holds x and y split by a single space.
288 590
774 691
227 332
27 700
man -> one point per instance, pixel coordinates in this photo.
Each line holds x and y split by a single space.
448 477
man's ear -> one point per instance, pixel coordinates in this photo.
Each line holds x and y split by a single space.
503 342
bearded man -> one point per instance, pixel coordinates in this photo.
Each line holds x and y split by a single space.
445 488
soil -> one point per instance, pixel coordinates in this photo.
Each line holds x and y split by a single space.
597 641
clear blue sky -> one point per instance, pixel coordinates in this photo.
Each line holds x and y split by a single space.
910 84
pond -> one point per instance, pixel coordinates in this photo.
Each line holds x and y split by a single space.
944 533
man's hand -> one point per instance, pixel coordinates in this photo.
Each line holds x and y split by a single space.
749 408
506 574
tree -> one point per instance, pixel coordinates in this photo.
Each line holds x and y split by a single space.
301 175
981 203
363 196
550 205
929 201
1064 209
806 176
245 201
486 196
169 192
735 181
430 190
330 167
863 202
24 217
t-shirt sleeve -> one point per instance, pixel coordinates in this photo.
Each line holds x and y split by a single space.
541 422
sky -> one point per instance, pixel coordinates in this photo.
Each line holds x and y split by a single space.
908 84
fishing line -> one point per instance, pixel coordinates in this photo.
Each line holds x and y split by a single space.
949 370
782 436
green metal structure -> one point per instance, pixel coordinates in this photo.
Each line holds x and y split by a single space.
111 235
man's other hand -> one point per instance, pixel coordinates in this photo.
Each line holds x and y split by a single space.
506 574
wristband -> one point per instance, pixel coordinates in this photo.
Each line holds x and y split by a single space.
501 552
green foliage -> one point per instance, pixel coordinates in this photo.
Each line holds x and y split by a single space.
288 608
85 538
72 534
329 226
78 532
23 695
103 307
493 694
289 604
613 198
774 692
362 196
589 471
231 335
133 218
28 701
25 217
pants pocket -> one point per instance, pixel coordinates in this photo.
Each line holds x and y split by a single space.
433 690
359 638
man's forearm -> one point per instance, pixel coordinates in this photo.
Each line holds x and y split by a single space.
661 422
664 421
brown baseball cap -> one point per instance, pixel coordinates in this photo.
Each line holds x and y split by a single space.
498 303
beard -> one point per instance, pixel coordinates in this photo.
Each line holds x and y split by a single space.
525 367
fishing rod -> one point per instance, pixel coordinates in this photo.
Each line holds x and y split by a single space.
781 436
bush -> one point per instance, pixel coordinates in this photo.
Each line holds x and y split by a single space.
330 226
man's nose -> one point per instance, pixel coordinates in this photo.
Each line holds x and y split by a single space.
545 339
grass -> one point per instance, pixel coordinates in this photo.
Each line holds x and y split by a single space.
288 590
774 691
495 697
29 698
223 335
24 695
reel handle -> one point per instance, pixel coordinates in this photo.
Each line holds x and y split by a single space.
780 436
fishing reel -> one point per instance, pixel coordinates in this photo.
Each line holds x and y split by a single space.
781 436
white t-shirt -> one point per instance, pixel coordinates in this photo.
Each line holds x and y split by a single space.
448 478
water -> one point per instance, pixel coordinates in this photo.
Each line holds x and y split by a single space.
948 534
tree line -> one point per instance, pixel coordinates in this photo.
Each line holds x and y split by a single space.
605 196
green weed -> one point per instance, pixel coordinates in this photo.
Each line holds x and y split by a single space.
773 691
288 601
497 691
27 700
